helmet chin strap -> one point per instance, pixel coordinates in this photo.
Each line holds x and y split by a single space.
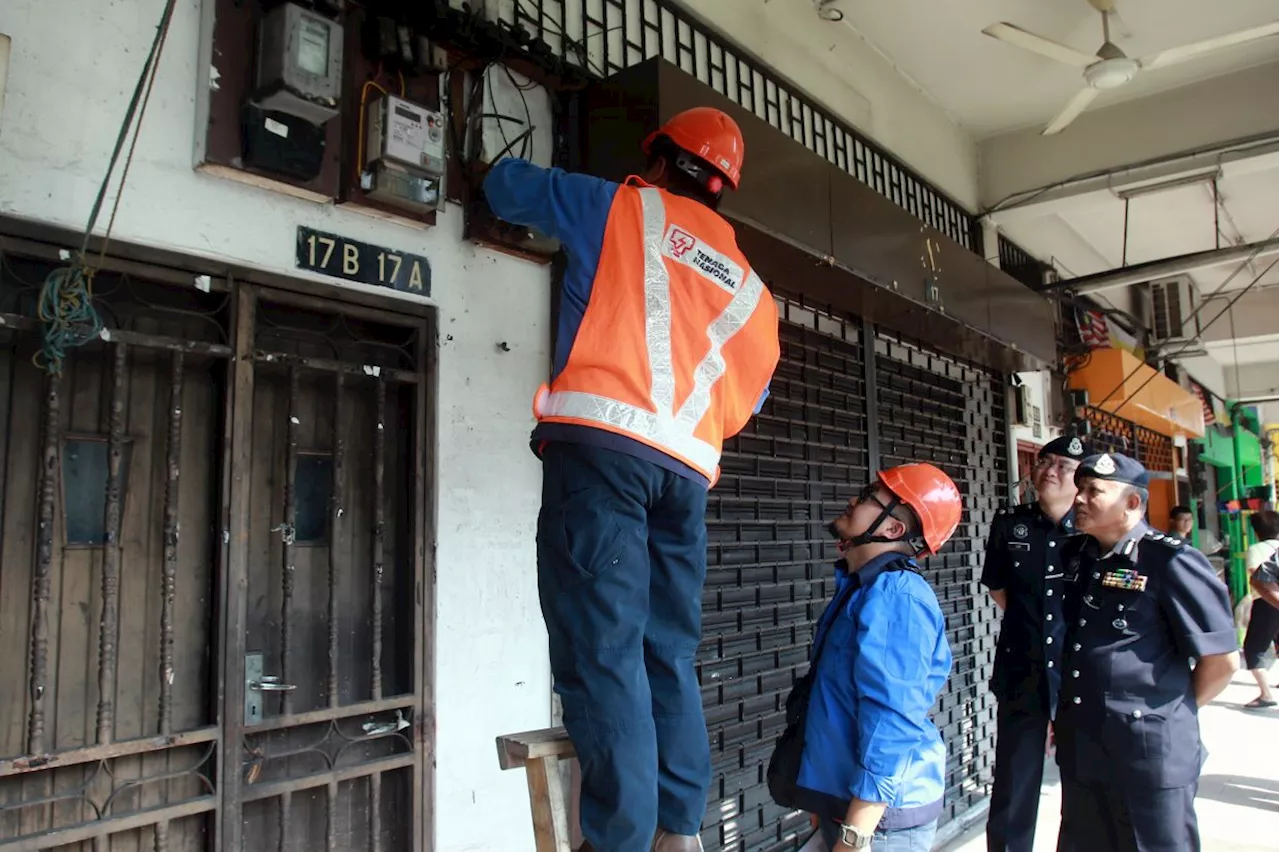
869 537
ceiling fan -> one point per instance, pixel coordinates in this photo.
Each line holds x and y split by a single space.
1110 68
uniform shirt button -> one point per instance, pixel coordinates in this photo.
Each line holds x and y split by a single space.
1017 565
1096 575
1075 647
1082 622
1048 593
1049 617
1076 700
1048 640
1075 673
1120 607
1137 714
1053 544
1050 664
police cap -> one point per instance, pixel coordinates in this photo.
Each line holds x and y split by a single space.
1114 467
1068 446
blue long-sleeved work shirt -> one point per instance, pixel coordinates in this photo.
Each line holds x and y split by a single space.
574 209
868 734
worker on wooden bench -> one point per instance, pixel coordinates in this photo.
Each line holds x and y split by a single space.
666 344
860 752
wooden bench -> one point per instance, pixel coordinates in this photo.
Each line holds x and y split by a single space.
551 771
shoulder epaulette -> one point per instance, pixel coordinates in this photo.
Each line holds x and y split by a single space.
1019 509
1170 541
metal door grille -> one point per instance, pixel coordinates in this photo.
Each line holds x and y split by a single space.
936 409
769 576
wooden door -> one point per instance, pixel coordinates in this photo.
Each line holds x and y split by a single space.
212 545
324 701
108 570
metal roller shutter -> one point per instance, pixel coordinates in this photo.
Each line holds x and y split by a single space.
769 556
932 408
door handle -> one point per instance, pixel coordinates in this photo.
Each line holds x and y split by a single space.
271 683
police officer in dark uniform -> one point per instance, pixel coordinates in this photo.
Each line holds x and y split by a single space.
1023 571
1141 605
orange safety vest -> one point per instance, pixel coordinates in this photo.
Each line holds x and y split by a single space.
679 338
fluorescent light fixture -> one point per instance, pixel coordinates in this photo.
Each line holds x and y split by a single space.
1193 179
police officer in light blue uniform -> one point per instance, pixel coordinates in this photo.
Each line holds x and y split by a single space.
1023 570
1139 605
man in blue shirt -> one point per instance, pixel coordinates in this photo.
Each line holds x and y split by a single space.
874 764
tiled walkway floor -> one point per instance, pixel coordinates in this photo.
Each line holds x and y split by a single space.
1238 803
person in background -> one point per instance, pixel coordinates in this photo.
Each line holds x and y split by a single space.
1139 605
1264 617
1023 570
868 760
665 347
1182 522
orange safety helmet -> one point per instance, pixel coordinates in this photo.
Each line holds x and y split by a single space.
708 134
932 495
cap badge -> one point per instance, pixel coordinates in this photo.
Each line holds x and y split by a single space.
1075 447
1105 465
1021 531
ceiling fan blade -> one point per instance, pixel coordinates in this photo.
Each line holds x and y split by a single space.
1174 55
1074 107
1019 37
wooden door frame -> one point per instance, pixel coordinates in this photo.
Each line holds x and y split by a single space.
233 592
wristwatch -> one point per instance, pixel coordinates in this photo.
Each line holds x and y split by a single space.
854 837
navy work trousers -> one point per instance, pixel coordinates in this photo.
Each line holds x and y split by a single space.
622 555
1021 729
1102 817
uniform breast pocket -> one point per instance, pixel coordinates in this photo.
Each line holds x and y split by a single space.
1129 612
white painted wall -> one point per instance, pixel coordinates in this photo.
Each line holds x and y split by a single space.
1248 380
1226 108
839 69
72 68
1207 371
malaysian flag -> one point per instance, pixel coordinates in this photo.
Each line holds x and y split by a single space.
1204 402
1092 326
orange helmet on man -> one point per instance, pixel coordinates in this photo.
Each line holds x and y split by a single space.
932 496
712 142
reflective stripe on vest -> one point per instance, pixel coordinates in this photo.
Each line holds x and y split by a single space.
665 426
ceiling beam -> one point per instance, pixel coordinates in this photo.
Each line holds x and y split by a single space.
1198 117
1153 270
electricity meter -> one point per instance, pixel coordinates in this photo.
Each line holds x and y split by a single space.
404 160
299 63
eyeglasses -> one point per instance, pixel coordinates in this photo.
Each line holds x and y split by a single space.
1065 466
868 495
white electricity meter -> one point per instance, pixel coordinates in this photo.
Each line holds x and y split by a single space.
404 161
299 63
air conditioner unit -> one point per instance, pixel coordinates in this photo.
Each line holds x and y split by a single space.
1022 405
1171 312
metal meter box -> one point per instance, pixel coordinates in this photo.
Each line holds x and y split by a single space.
299 63
404 153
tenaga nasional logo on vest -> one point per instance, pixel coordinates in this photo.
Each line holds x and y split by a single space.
683 247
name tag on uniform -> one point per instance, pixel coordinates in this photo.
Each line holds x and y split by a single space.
1019 545
1125 578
